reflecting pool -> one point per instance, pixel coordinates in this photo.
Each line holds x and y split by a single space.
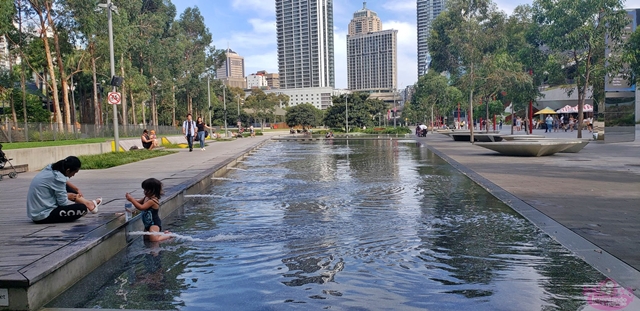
357 225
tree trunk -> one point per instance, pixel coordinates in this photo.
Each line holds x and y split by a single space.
63 76
124 95
133 110
14 116
52 74
97 111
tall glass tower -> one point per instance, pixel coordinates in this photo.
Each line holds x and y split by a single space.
428 10
305 43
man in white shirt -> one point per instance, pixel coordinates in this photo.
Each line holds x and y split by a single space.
189 131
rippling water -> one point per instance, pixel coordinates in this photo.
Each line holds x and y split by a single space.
369 225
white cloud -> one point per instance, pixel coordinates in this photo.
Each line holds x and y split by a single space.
267 60
263 26
407 47
406 6
340 57
262 7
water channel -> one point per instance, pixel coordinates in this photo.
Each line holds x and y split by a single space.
357 225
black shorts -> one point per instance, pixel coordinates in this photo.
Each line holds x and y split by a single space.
67 213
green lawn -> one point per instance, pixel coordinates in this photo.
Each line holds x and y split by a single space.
112 159
36 144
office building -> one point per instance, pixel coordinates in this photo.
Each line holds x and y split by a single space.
320 97
371 54
428 10
273 79
305 43
231 73
256 81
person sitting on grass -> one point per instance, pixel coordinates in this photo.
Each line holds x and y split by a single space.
147 143
53 199
150 207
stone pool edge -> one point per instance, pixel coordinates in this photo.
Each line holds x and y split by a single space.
47 278
607 264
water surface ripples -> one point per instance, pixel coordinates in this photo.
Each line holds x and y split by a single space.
373 225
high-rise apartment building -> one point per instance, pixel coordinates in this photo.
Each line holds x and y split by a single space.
371 54
305 43
231 73
428 10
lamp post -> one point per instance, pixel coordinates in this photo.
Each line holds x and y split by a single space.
209 95
346 109
239 122
395 111
224 107
112 8
73 101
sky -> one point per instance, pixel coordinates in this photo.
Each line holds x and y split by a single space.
249 28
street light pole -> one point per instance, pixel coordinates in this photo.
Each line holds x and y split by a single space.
209 95
346 106
395 110
224 107
110 8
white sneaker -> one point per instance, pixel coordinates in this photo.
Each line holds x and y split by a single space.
204 148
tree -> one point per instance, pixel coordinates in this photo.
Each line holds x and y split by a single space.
305 115
574 31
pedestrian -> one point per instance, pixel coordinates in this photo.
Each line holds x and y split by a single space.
252 131
53 199
500 125
189 130
150 206
202 133
571 123
549 124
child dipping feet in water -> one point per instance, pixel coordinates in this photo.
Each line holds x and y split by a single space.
150 206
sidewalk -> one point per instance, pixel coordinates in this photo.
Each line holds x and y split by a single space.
588 201
30 253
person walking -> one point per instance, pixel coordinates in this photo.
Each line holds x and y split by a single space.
549 123
202 134
189 130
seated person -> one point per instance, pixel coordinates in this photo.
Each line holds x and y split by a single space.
53 199
153 137
147 143
329 135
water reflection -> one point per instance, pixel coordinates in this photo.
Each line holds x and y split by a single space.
354 225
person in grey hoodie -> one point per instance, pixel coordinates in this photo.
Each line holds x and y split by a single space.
52 199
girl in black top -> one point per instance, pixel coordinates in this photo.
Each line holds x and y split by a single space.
150 206
201 132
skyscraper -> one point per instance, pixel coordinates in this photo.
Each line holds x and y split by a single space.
428 10
305 43
232 70
371 54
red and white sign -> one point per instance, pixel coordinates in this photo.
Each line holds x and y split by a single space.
114 98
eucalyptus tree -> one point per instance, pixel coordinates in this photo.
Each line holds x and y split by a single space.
462 36
192 42
574 31
305 115
42 9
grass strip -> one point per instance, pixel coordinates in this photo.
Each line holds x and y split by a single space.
112 159
52 143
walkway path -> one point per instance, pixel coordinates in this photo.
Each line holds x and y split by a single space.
595 194
28 251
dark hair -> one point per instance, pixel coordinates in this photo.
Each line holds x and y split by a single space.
199 120
145 131
69 163
152 186
188 114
